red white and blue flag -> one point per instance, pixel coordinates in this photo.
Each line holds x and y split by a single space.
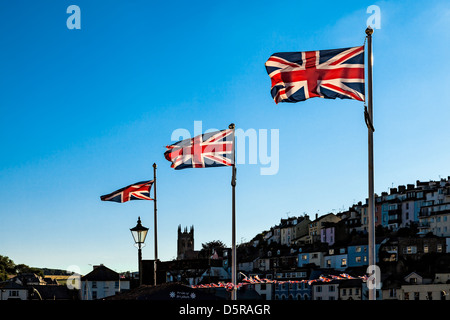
214 149
330 74
135 191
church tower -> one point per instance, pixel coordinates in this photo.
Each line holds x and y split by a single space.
185 243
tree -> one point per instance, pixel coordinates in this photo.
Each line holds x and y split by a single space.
7 266
216 244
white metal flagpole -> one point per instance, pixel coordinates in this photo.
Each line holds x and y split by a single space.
371 204
233 222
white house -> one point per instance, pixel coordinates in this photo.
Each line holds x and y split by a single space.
10 290
325 290
102 282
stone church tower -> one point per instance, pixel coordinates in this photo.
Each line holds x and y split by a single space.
185 244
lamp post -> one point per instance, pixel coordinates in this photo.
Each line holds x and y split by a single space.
139 233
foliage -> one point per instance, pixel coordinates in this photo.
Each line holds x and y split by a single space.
216 244
8 267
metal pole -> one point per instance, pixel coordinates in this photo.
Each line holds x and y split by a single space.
155 222
139 263
233 223
371 204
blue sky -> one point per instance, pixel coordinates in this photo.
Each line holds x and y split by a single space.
85 112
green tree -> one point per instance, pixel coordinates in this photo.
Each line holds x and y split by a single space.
7 266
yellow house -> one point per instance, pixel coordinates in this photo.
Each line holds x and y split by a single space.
316 226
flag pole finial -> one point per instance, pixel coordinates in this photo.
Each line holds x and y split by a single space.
231 126
369 31
154 165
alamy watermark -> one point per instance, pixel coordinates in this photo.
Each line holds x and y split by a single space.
74 20
373 281
374 20
256 142
73 282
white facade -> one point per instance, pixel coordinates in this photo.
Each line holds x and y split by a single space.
325 291
13 291
92 290
102 282
424 292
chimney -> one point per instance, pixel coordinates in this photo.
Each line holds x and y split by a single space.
317 216
393 190
410 186
401 189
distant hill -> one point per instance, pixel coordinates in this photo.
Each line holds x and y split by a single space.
55 272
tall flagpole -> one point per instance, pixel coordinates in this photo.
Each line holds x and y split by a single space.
155 223
233 221
371 204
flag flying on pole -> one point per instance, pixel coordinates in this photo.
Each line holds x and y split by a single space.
214 149
330 74
135 191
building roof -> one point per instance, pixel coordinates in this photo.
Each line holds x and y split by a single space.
54 292
11 285
101 273
350 283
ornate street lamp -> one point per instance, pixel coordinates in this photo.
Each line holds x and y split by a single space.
139 233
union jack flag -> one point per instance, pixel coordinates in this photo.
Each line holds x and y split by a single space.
135 191
330 74
214 149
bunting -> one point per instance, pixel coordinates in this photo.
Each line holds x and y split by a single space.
256 280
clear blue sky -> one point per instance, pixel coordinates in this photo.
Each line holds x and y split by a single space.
85 112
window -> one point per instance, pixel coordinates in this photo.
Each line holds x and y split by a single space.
304 257
439 248
343 262
344 292
358 249
429 295
425 249
358 259
406 295
416 296
116 285
14 293
94 284
331 289
393 293
318 289
410 250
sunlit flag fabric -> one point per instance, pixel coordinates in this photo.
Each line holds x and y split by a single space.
214 149
135 191
330 74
